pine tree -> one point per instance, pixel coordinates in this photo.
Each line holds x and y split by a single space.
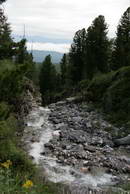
21 51
6 42
76 56
47 76
121 53
63 65
97 46
2 1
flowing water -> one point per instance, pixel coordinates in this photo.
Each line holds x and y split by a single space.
38 123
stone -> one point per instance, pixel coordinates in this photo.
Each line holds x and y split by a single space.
89 148
85 170
56 133
49 145
79 140
122 141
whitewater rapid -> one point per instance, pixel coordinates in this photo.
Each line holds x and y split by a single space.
37 123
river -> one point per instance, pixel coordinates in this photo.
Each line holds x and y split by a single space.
39 131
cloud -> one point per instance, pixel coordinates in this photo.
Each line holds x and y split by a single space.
60 19
62 48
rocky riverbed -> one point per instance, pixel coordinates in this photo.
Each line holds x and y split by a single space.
71 142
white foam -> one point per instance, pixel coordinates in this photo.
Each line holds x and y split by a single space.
38 120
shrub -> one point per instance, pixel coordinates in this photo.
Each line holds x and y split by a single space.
111 92
4 110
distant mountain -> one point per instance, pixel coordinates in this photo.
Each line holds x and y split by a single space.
39 56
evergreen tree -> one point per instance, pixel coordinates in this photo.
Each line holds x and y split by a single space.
97 46
76 56
121 53
63 65
8 48
47 76
21 51
6 42
2 1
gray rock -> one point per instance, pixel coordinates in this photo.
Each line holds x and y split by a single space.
89 148
123 141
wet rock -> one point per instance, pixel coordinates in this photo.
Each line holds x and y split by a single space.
125 159
56 133
97 141
107 149
31 157
43 153
73 99
34 139
60 103
55 121
60 126
49 145
82 139
85 170
123 141
89 148
68 147
79 139
127 169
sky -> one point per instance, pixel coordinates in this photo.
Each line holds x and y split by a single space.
51 24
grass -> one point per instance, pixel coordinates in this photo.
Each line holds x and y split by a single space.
10 184
14 176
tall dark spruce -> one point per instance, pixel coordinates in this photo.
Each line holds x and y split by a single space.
76 55
121 53
97 46
2 1
47 76
63 65
6 42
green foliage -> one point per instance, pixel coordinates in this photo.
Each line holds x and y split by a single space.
90 51
83 84
13 178
7 128
97 45
63 69
111 92
121 53
10 184
47 75
49 80
2 1
76 55
7 137
4 111
92 55
11 79
10 49
22 169
5 37
99 84
21 54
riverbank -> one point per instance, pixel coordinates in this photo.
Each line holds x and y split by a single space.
71 144
17 172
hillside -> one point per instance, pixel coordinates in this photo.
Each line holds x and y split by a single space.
39 56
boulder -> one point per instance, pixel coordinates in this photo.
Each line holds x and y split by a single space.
122 141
